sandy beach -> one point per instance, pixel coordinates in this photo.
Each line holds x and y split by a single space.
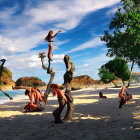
93 118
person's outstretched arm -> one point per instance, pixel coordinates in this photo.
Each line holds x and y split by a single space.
56 33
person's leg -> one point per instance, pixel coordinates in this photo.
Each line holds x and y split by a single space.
49 56
122 102
58 111
33 107
48 70
50 51
26 108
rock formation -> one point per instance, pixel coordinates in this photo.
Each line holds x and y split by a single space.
1 71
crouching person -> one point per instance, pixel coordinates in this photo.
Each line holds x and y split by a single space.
37 103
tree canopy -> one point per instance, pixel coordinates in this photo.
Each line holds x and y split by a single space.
106 76
115 68
124 39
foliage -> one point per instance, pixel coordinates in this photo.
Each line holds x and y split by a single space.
42 55
106 76
7 72
30 82
6 78
124 40
1 83
117 67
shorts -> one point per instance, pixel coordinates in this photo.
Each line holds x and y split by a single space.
40 105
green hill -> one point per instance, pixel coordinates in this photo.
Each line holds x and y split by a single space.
30 82
6 79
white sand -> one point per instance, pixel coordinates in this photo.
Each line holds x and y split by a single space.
93 119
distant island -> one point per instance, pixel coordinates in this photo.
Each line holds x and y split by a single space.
30 82
86 81
83 80
6 82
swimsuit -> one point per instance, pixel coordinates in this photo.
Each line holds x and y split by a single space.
50 51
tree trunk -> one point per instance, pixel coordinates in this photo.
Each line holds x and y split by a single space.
130 73
68 76
6 94
67 79
49 71
70 108
70 105
123 83
1 69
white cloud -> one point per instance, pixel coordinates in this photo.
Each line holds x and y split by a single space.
6 14
3 57
93 65
95 42
34 64
112 11
86 65
104 49
82 66
25 31
67 14
98 60
19 44
34 58
58 58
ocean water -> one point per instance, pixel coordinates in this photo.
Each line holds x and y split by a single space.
16 94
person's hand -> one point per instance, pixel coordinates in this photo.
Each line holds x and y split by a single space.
59 31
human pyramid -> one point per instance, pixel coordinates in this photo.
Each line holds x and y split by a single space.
63 98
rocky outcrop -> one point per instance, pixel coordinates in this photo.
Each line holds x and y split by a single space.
6 81
83 80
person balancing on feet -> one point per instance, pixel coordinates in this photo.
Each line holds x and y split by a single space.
49 38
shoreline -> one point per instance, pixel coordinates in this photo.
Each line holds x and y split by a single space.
20 97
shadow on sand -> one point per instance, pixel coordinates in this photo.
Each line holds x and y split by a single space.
92 121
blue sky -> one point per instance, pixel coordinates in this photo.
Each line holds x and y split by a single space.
24 24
